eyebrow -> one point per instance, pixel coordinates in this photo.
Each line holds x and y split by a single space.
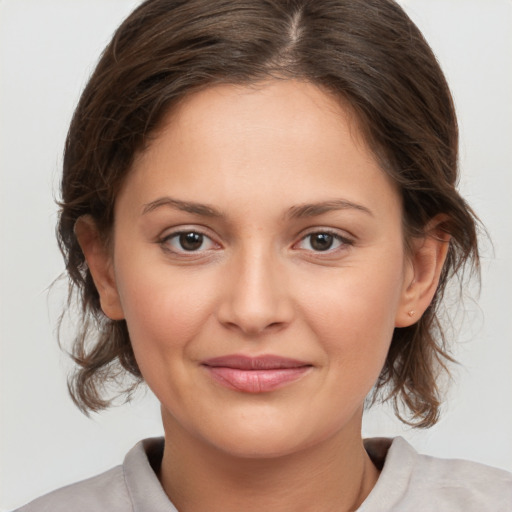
295 212
314 209
186 206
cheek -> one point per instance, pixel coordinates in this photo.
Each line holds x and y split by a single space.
164 310
165 313
354 319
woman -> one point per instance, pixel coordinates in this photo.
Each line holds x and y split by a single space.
260 215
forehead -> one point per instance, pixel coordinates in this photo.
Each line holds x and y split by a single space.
294 110
252 137
273 105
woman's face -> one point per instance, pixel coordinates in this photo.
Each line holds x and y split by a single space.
259 263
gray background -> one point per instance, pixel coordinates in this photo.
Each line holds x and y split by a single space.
47 50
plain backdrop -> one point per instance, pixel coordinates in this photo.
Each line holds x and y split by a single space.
47 50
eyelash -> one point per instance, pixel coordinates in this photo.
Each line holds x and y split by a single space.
342 242
165 242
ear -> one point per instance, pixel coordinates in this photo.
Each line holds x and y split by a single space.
424 267
99 261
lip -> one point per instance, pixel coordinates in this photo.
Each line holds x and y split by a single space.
255 374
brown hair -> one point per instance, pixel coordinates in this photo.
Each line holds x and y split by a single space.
367 52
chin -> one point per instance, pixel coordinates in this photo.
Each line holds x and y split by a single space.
272 444
264 438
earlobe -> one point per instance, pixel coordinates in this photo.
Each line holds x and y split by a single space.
425 265
99 261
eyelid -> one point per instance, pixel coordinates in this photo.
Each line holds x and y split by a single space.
345 239
163 240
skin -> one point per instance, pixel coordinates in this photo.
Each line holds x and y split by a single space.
252 158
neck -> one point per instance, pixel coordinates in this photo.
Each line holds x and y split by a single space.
336 474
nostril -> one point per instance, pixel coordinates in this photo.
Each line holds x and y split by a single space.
255 301
275 325
253 329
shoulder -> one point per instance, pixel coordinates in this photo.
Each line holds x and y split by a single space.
469 486
132 486
410 481
106 491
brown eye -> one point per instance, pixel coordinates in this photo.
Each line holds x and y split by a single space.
321 241
183 242
191 241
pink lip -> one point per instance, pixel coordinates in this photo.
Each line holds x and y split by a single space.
255 374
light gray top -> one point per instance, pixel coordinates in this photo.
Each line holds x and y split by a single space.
408 482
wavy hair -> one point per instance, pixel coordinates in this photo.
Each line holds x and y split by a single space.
368 53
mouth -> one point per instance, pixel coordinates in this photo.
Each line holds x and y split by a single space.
255 374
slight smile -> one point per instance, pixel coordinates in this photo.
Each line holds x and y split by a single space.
255 374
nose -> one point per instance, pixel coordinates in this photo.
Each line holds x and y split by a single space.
256 296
